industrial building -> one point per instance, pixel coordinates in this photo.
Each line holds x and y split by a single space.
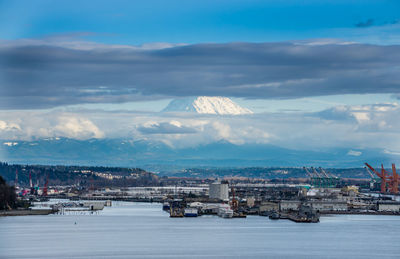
267 206
391 206
219 190
329 205
318 205
289 205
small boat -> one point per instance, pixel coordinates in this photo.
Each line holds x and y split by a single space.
239 215
166 206
190 212
176 213
274 215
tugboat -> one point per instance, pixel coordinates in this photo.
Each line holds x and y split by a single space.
306 214
176 213
274 215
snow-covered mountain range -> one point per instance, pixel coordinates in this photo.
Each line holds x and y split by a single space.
206 105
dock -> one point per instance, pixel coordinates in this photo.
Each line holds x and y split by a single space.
27 212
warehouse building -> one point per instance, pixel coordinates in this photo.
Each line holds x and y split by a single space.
391 206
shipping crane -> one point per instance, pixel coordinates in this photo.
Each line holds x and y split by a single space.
330 174
32 189
373 178
307 172
326 181
44 193
331 178
318 179
394 181
316 172
310 175
369 172
383 175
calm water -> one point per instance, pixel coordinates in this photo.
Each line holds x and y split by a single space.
140 230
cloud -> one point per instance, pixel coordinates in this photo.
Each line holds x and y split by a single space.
36 125
50 75
363 114
172 127
354 153
367 23
78 128
342 127
390 152
4 126
371 23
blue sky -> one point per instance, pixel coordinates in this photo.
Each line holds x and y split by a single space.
139 22
104 69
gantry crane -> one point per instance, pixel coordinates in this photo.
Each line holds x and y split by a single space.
321 178
308 172
44 193
373 178
394 181
314 178
389 183
331 178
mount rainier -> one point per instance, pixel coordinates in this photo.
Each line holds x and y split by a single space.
206 105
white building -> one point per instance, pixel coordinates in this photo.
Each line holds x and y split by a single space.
389 206
289 205
219 190
286 205
329 205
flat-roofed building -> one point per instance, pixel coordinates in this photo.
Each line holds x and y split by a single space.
392 206
219 190
285 205
329 205
268 206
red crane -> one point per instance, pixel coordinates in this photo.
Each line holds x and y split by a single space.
383 175
389 183
45 186
394 181
32 190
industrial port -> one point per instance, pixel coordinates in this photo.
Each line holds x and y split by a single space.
302 201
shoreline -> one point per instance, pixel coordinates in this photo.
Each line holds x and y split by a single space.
26 212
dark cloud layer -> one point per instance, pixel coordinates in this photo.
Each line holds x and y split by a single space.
42 76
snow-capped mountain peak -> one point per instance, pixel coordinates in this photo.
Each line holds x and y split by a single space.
207 105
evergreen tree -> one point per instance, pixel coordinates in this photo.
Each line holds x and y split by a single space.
7 196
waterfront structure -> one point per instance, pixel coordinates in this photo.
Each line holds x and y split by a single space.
219 190
190 212
250 202
329 205
267 206
318 205
391 206
224 211
289 205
